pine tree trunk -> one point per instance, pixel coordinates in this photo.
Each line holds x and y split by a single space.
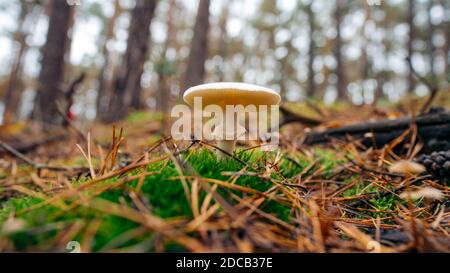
445 26
365 58
14 86
411 37
68 70
163 85
104 89
447 52
128 82
382 76
195 70
163 75
311 52
53 61
223 39
340 73
430 46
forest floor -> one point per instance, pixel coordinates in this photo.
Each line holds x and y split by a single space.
133 191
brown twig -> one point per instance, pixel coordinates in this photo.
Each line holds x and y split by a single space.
34 164
68 122
430 85
16 153
362 167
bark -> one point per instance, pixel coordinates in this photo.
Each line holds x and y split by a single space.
430 46
127 85
14 86
382 76
29 14
163 86
163 74
433 130
446 29
447 51
411 37
282 78
223 43
340 73
52 70
195 70
68 66
104 89
311 91
366 61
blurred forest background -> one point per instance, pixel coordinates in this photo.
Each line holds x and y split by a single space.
99 60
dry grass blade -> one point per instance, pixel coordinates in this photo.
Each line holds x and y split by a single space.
364 242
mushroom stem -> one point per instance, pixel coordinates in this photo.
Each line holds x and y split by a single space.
225 145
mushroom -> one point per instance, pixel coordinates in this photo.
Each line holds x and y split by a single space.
223 94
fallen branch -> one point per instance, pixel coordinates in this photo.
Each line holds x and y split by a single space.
432 128
27 147
16 153
36 165
68 122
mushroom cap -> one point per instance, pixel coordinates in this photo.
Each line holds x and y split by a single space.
232 93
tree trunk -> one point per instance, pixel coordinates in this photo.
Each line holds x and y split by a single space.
14 88
311 91
430 46
128 82
382 76
164 72
340 73
68 66
195 70
410 20
447 45
52 70
445 26
223 43
15 85
432 129
104 89
366 61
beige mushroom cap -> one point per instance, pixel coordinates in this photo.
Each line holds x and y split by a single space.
232 93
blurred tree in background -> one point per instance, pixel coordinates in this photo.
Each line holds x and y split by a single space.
127 87
144 54
198 53
51 76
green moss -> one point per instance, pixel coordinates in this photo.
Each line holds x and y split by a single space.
164 195
16 204
361 187
382 205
